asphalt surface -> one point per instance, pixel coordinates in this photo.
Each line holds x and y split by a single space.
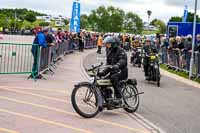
45 106
174 107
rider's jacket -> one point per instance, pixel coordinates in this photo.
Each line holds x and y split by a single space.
117 57
148 50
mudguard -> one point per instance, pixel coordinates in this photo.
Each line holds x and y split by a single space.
99 96
132 82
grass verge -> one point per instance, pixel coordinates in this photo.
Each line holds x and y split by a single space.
179 73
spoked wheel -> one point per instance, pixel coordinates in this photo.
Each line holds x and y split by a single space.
131 98
158 77
85 101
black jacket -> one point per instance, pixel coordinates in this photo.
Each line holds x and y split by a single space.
198 46
117 57
149 50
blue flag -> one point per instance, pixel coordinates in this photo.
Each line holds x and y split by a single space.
185 14
75 18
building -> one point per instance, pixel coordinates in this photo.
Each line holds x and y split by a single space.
57 20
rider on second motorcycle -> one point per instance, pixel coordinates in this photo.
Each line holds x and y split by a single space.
117 58
148 49
136 48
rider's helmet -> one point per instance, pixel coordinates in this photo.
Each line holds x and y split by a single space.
114 41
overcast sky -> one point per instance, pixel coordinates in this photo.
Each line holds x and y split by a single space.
161 9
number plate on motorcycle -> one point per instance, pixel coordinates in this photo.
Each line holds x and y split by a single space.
152 57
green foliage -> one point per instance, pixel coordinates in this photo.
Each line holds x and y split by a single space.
179 73
175 19
31 17
84 21
43 24
133 23
66 21
3 20
190 18
111 19
160 24
7 18
26 25
21 13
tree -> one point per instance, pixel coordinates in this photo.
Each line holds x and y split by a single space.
3 20
30 17
160 24
115 20
66 21
149 12
133 23
106 19
175 19
43 24
99 19
26 25
190 18
84 21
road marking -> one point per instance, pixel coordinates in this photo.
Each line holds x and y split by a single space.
34 94
23 88
8 130
45 121
51 98
73 114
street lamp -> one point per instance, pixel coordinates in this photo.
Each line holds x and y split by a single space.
193 41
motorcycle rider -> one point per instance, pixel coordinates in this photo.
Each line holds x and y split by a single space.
148 49
136 48
117 58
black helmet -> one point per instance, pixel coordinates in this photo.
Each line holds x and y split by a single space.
114 41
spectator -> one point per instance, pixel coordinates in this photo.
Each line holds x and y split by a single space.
99 43
198 43
188 51
39 41
163 49
180 49
81 44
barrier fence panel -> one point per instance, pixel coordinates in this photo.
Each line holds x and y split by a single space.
32 59
44 60
16 58
180 61
197 63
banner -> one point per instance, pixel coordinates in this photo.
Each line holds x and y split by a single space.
75 18
185 14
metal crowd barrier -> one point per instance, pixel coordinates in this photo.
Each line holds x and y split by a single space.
197 64
90 44
16 58
180 61
23 59
49 56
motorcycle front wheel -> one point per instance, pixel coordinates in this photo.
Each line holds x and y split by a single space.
157 77
85 101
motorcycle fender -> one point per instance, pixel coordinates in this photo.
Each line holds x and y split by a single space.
79 84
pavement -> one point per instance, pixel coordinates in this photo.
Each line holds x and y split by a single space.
173 107
45 106
17 39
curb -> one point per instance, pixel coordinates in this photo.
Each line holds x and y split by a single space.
180 79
